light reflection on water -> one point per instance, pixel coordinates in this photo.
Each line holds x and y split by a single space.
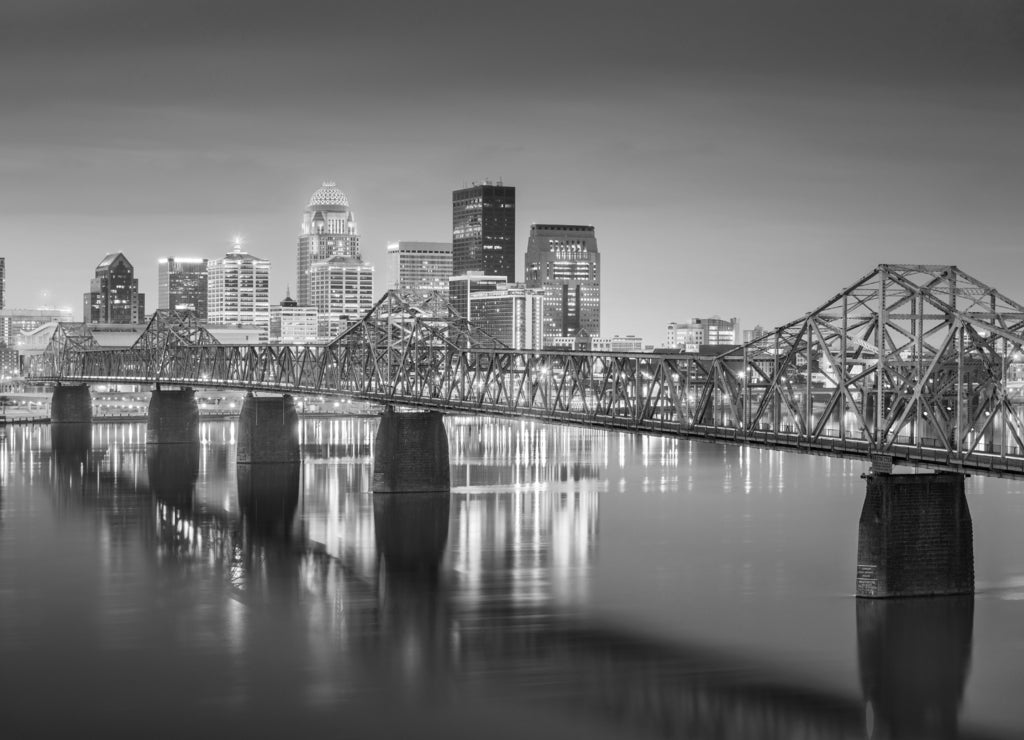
575 580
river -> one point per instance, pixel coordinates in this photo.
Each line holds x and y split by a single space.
575 582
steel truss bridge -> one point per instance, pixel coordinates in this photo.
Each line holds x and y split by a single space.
913 364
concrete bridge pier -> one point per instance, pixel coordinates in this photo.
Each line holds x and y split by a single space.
410 453
71 404
915 537
173 417
268 430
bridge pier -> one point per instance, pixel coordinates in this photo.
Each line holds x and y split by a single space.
71 404
410 453
268 430
915 537
173 417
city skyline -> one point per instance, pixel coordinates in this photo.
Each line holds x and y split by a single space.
747 145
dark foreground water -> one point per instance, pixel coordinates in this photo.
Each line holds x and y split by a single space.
575 584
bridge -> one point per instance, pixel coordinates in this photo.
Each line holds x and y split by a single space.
911 364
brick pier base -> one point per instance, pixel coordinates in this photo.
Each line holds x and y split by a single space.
268 430
915 537
71 404
173 417
410 453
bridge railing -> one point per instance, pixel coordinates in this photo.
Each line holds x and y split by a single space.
676 394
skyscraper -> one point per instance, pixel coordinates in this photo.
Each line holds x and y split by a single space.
341 288
182 284
419 266
484 230
239 289
114 296
328 230
3 283
564 262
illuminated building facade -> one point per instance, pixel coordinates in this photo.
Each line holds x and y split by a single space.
182 284
563 261
328 230
460 287
114 296
419 266
341 289
239 289
512 314
291 323
484 230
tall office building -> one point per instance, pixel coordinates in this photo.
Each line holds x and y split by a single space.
341 289
114 296
3 283
512 314
182 283
419 266
328 230
238 289
484 230
563 261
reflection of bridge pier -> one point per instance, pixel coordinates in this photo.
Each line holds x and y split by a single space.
914 656
411 534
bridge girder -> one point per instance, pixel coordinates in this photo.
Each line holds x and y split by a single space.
911 361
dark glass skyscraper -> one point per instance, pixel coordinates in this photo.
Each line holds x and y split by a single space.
484 230
114 296
182 284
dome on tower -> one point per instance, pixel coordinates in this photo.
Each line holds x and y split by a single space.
328 195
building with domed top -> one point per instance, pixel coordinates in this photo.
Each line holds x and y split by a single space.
328 230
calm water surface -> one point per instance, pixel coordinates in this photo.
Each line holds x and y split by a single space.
575 582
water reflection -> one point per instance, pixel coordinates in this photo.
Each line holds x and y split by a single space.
914 659
300 592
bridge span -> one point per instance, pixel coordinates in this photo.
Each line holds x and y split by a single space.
911 364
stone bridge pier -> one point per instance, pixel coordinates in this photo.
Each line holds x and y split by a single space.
173 417
915 537
71 404
410 453
268 431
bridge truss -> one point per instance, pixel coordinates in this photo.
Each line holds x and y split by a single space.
916 364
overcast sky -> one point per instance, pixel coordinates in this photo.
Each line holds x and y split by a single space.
737 157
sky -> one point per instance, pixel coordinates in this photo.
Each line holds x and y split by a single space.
745 158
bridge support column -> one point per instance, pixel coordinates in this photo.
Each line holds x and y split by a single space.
268 430
915 537
71 404
173 417
410 453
